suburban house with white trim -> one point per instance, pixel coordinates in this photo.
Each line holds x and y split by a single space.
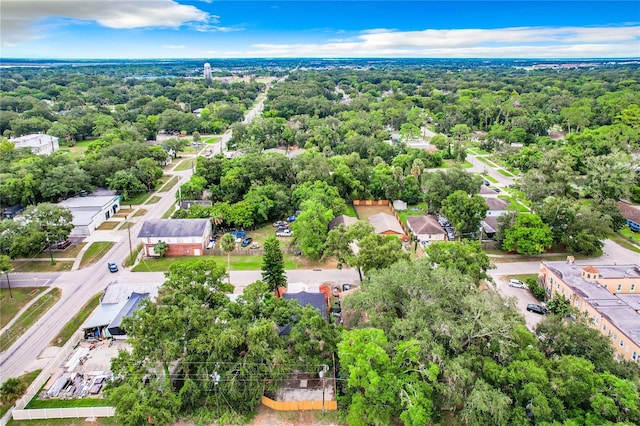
426 228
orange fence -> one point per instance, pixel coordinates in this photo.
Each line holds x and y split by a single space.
299 405
391 209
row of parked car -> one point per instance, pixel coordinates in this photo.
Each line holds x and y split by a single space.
282 227
531 307
444 222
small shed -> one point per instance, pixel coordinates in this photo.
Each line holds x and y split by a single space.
399 205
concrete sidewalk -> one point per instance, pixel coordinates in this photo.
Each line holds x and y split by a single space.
24 309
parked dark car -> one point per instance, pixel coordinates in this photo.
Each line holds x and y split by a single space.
280 223
112 267
496 189
335 309
291 218
486 183
238 234
63 244
246 242
532 307
346 287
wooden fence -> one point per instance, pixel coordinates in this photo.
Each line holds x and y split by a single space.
300 405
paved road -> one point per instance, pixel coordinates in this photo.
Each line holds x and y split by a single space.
480 167
80 285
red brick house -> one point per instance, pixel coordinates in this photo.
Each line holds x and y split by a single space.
185 237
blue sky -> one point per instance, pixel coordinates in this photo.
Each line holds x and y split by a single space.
232 29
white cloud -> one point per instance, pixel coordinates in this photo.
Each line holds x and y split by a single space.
520 42
22 20
173 46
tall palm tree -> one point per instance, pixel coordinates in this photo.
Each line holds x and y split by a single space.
228 244
216 218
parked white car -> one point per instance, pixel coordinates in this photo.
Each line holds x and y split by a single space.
284 233
517 283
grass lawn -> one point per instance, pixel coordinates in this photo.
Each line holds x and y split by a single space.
212 139
71 251
484 160
137 199
446 164
30 316
41 266
490 178
76 322
108 225
140 212
350 211
403 214
153 200
101 421
505 173
9 307
95 252
238 262
623 241
67 403
170 184
185 165
514 203
128 261
169 212
26 379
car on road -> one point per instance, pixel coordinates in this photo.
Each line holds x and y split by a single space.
496 189
112 266
486 183
538 309
516 283
246 242
284 233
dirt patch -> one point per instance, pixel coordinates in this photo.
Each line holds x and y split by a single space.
269 417
364 212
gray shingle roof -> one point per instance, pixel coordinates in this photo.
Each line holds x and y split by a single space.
383 222
629 212
173 228
496 203
424 225
345 220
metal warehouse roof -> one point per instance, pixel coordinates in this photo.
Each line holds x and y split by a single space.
173 228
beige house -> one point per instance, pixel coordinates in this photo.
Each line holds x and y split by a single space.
386 224
608 294
426 228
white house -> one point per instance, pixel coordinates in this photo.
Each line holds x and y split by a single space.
185 237
426 228
39 143
90 212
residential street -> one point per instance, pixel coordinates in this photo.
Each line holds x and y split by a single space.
80 285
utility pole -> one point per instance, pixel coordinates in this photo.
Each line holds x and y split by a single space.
50 253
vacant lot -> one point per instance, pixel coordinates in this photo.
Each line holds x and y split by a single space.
365 212
9 307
